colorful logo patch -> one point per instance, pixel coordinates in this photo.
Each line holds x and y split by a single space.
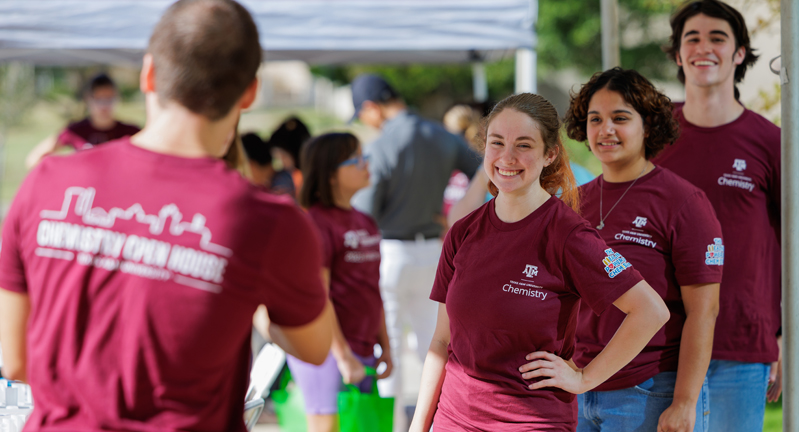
715 253
615 263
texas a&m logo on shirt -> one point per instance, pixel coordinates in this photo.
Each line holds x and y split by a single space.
526 287
715 253
639 221
355 239
615 263
530 270
738 178
351 239
359 239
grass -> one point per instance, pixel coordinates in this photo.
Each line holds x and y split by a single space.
773 421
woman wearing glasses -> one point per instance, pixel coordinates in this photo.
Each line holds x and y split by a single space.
333 170
668 230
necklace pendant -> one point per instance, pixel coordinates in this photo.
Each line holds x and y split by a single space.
601 225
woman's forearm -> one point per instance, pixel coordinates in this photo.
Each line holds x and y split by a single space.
433 374
339 347
382 334
696 344
430 387
695 350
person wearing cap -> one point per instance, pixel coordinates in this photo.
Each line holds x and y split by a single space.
410 165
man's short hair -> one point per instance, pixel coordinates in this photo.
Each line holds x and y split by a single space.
713 9
97 81
205 54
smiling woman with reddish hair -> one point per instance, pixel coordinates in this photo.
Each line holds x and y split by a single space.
509 283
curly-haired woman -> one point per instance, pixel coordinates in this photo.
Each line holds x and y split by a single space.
668 230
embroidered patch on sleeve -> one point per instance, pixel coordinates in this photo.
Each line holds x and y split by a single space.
615 263
715 253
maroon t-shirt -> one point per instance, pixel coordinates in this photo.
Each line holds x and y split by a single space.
144 271
668 230
737 165
82 135
351 250
512 289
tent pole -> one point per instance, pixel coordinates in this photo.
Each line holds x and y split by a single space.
526 59
611 56
790 215
479 82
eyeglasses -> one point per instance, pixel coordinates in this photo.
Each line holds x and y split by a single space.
359 160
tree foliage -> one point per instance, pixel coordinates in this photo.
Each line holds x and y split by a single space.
569 37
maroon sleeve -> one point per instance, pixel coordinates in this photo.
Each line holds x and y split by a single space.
446 267
292 267
69 138
131 130
697 250
598 273
775 180
12 267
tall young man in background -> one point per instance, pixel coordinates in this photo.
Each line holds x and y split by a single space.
733 155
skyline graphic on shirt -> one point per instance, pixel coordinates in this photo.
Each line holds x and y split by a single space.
97 216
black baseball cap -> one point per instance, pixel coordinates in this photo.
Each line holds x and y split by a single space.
369 87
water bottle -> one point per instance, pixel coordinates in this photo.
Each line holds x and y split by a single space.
23 393
11 396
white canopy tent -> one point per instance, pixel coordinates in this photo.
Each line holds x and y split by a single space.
79 32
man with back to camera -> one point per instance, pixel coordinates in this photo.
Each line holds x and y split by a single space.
733 155
98 127
137 276
410 165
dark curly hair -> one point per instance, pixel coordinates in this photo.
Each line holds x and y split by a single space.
557 178
713 9
655 108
